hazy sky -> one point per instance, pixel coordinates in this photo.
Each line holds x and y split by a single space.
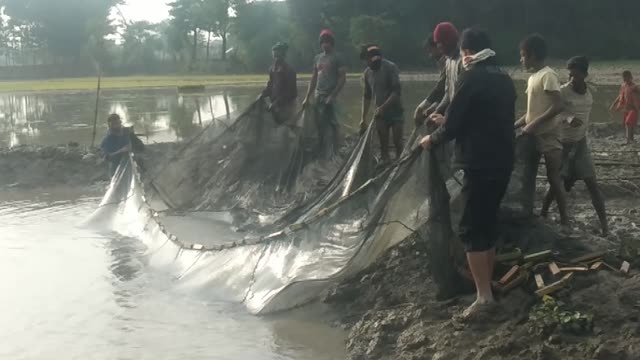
151 10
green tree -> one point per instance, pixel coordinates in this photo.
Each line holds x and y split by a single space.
371 29
68 25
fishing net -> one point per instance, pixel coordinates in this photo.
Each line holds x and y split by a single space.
253 213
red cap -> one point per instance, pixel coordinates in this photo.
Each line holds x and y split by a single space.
445 33
327 32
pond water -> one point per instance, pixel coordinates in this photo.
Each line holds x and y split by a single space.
164 115
69 293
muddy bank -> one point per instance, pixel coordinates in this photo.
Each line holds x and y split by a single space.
391 310
35 167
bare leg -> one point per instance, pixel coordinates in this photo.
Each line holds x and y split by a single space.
398 128
598 203
546 204
553 161
491 261
632 130
383 134
628 133
480 269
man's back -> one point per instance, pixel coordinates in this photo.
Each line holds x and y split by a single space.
487 141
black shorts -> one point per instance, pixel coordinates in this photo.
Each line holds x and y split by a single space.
482 193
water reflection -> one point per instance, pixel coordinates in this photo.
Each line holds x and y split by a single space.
159 115
164 115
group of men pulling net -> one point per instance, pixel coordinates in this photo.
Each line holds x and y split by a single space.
276 211
300 213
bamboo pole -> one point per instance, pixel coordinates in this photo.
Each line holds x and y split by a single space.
95 116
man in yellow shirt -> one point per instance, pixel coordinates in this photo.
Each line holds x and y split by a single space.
540 124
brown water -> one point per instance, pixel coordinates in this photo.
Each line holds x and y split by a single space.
69 293
164 115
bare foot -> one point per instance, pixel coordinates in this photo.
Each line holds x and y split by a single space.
477 309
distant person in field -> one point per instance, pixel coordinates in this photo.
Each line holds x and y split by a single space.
629 102
116 144
540 125
381 82
480 119
429 104
327 81
577 163
282 87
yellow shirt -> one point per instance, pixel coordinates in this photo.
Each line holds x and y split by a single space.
538 101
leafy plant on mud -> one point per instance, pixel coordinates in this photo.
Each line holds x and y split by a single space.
549 316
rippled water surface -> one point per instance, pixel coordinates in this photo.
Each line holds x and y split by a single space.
69 293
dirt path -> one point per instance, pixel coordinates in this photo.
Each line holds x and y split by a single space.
391 309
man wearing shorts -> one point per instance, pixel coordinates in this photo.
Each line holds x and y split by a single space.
480 118
577 163
541 128
381 80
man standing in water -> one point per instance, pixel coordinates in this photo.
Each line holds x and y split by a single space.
480 119
428 105
381 81
116 144
577 163
629 101
282 86
544 104
328 79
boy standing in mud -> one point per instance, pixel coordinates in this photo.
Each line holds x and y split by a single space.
381 80
577 163
327 80
116 144
629 101
540 125
282 87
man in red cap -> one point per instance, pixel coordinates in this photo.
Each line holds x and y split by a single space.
328 79
446 37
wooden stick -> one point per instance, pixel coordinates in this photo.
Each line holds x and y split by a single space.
553 267
95 116
555 286
539 281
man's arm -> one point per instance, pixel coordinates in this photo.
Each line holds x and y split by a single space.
366 101
342 79
267 90
438 92
432 100
521 122
124 149
556 108
615 104
456 116
312 85
396 92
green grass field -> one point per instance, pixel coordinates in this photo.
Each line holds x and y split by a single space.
135 82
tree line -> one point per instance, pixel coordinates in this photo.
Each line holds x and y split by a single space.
236 35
